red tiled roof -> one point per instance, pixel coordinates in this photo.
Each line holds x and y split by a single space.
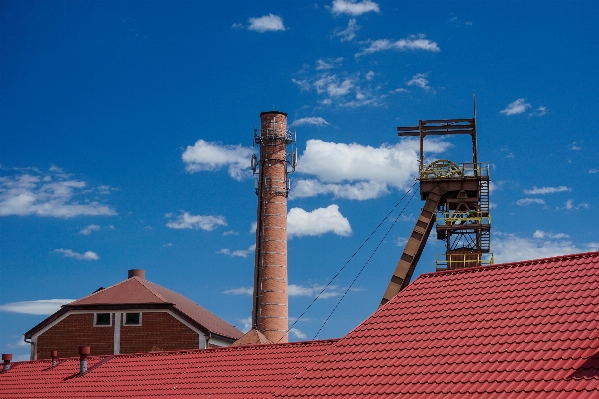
130 291
527 329
138 291
239 372
512 330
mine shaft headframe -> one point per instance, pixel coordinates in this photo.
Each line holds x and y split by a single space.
457 201
441 127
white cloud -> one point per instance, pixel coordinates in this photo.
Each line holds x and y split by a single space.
317 222
401 241
89 229
231 232
53 194
547 190
246 324
359 172
303 84
332 86
343 89
315 289
495 186
544 234
323 65
345 170
253 227
511 248
240 291
348 33
569 205
242 253
413 42
297 290
541 111
328 64
363 190
419 80
575 146
168 244
517 107
19 344
208 156
595 170
354 8
528 201
363 97
297 333
266 23
311 120
40 307
69 253
198 222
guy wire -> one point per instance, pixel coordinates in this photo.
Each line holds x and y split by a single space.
363 267
354 254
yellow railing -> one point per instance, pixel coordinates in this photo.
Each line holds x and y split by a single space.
461 261
466 217
444 169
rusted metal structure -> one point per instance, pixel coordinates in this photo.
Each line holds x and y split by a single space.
270 304
457 198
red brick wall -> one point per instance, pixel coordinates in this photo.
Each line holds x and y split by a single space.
158 331
73 331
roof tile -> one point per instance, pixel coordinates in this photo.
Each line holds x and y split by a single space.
505 330
528 329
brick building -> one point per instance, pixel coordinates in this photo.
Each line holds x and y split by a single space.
132 316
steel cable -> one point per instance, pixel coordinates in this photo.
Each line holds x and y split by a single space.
354 254
364 266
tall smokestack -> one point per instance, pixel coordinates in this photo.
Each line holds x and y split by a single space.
270 310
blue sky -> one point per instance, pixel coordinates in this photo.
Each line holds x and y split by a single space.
126 132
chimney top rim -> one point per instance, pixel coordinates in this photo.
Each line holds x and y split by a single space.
141 273
273 112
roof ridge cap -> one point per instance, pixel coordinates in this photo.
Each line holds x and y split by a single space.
94 293
181 295
151 289
496 266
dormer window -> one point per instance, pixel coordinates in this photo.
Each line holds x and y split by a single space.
132 319
102 319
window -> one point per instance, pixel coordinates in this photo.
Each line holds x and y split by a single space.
103 319
132 319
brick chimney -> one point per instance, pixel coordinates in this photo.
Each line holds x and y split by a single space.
270 310
141 273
